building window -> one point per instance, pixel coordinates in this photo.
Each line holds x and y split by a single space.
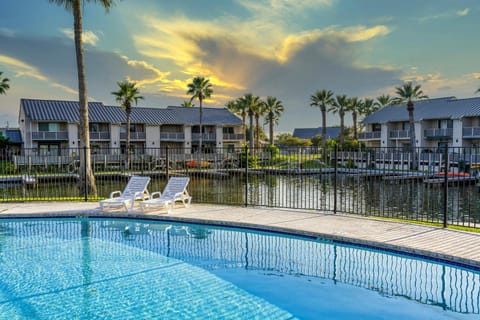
47 127
94 127
228 130
405 125
376 127
445 124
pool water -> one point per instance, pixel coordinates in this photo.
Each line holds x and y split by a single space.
126 269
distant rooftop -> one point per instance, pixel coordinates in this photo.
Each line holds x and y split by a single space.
308 133
13 134
430 109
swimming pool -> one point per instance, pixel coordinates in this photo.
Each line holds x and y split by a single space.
132 269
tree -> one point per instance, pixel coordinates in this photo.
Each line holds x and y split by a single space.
339 106
322 99
287 140
383 101
75 6
368 107
409 93
259 111
273 109
126 95
354 105
250 103
4 86
187 104
200 88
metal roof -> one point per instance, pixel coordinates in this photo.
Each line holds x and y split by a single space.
68 111
308 133
13 135
439 108
211 116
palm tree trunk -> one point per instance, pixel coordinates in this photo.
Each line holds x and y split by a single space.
87 180
257 131
250 115
244 115
127 161
354 118
201 133
324 127
270 120
411 121
342 130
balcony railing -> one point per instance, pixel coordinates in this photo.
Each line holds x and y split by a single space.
172 136
471 132
133 135
399 134
205 136
438 133
369 135
45 135
233 136
100 135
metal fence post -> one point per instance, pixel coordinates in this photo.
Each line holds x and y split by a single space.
246 175
85 173
445 189
335 175
166 162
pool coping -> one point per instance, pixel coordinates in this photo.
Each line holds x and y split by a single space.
399 237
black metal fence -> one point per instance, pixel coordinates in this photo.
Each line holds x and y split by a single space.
441 188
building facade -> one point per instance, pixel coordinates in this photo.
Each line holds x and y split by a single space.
51 127
438 122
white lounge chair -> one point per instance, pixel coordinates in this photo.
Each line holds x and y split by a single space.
175 190
136 189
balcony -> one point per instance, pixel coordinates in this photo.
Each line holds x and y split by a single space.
471 132
100 135
372 135
133 136
399 134
233 136
438 133
50 136
172 136
205 137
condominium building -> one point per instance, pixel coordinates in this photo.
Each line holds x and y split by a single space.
437 122
51 127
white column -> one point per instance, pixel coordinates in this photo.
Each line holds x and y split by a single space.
384 135
115 138
152 139
187 130
457 133
72 129
219 139
418 134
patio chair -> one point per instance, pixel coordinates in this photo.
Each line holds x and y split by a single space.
175 190
136 189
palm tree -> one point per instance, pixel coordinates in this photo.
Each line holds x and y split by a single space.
200 88
75 6
259 111
126 95
273 109
250 103
354 105
368 107
4 86
383 101
339 106
409 93
322 99
238 107
187 104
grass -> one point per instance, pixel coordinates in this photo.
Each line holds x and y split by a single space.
427 223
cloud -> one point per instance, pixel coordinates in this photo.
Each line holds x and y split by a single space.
88 37
463 12
53 62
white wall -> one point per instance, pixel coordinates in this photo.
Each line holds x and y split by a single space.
152 138
72 129
114 137
219 139
187 130
457 133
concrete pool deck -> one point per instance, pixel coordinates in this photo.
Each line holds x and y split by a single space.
446 244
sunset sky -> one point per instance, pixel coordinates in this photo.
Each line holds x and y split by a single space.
282 48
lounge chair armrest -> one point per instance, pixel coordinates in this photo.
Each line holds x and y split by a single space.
142 195
157 194
113 193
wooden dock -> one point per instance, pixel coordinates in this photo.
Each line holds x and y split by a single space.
440 181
